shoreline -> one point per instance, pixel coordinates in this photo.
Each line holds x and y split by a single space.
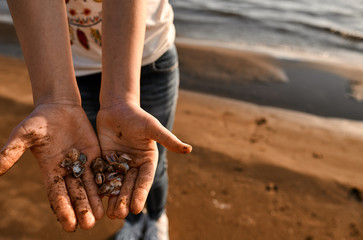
324 89
322 86
281 54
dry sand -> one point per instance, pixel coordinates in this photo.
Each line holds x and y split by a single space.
255 172
313 167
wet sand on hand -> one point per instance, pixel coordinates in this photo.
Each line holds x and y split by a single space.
256 172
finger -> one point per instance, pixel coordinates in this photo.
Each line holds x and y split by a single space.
11 152
91 189
111 205
80 202
60 202
121 209
142 187
156 131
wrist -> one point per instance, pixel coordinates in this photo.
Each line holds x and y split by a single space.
111 95
62 93
119 103
57 100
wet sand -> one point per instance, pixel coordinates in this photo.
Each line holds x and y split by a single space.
256 172
320 88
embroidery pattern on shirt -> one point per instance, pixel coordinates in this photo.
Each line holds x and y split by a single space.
81 17
96 36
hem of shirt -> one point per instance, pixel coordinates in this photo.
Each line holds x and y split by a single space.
157 55
81 73
146 61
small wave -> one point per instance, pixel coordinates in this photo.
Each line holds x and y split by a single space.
341 33
216 11
227 13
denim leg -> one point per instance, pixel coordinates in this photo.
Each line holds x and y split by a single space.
159 90
89 87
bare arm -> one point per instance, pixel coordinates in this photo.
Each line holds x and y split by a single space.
42 30
58 122
121 124
123 29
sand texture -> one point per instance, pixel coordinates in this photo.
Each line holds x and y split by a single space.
264 173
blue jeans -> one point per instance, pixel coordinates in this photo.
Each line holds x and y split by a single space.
159 83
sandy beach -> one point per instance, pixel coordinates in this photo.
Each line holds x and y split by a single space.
256 172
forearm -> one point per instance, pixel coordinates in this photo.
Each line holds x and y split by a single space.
42 30
123 33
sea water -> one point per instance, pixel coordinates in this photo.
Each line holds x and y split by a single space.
321 30
329 29
324 28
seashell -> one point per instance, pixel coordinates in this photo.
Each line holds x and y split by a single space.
119 177
74 163
77 169
113 157
110 188
67 164
105 189
115 192
122 167
109 159
82 158
98 165
114 175
74 154
110 168
126 157
116 183
110 175
99 178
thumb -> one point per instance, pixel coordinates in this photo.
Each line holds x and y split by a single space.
159 133
12 151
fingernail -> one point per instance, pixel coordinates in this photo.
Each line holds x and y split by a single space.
187 148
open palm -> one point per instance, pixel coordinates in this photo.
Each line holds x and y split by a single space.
50 132
128 129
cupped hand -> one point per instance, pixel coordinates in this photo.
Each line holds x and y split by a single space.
50 132
128 129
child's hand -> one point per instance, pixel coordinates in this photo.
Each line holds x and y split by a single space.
50 131
129 129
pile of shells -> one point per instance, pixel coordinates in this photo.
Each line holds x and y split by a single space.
74 163
109 173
